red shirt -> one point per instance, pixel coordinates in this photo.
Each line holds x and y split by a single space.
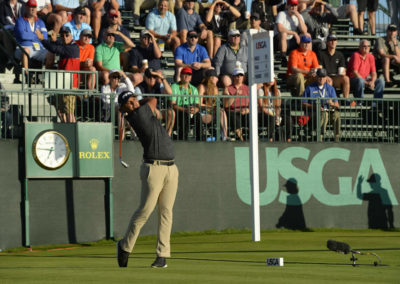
364 66
239 103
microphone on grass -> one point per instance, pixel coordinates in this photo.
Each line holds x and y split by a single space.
344 248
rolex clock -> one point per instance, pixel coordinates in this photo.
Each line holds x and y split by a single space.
50 149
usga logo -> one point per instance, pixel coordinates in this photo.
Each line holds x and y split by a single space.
94 144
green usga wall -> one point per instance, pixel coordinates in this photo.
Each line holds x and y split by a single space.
325 190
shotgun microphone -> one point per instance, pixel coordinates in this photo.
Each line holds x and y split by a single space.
338 247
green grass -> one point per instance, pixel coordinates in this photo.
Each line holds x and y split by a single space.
215 257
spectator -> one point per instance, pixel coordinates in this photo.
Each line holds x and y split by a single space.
155 83
362 72
161 23
107 55
237 106
270 113
394 10
301 68
242 22
289 25
264 8
218 19
147 50
77 25
318 19
188 20
229 56
329 104
62 13
119 83
44 9
193 55
137 5
100 9
187 108
334 63
68 51
372 6
208 87
86 55
255 27
27 38
388 52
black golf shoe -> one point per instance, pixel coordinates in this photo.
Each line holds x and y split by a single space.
122 256
160 262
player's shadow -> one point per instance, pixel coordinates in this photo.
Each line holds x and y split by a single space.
293 216
380 209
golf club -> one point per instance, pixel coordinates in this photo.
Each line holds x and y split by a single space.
125 164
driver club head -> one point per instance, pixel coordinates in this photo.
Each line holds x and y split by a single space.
126 165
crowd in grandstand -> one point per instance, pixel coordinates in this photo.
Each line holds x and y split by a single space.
209 41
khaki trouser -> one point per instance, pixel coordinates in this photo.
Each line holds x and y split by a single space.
136 5
299 82
333 118
159 187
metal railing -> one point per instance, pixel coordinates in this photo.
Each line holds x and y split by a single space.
374 121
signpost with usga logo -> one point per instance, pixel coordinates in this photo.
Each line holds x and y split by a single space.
261 70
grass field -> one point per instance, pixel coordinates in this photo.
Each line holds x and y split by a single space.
215 257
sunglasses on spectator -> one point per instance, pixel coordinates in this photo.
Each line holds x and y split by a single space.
113 16
193 36
238 75
254 18
113 35
116 77
235 35
65 34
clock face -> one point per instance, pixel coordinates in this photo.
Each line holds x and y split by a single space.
51 150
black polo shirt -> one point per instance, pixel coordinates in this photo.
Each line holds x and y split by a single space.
137 54
331 62
157 145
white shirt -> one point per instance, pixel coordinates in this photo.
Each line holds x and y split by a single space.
290 23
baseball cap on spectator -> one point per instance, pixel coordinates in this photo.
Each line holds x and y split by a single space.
233 32
79 11
190 0
331 37
86 32
144 33
292 2
255 15
31 3
321 72
192 33
305 38
112 12
65 30
186 70
124 97
211 72
238 71
392 27
112 71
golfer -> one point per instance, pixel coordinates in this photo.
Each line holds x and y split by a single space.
158 173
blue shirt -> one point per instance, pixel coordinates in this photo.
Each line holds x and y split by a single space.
66 3
74 29
184 53
313 91
24 34
161 26
186 21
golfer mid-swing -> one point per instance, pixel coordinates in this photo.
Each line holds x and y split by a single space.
158 173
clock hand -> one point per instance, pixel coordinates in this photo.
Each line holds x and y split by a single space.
51 150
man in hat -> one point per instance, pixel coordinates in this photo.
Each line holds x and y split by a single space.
230 55
100 9
318 18
188 20
159 176
161 23
255 26
237 105
77 25
289 26
301 68
107 55
194 55
388 52
25 35
62 13
147 50
335 64
362 72
68 51
112 20
86 55
329 106
187 108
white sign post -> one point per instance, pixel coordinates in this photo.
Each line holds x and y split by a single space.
261 70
